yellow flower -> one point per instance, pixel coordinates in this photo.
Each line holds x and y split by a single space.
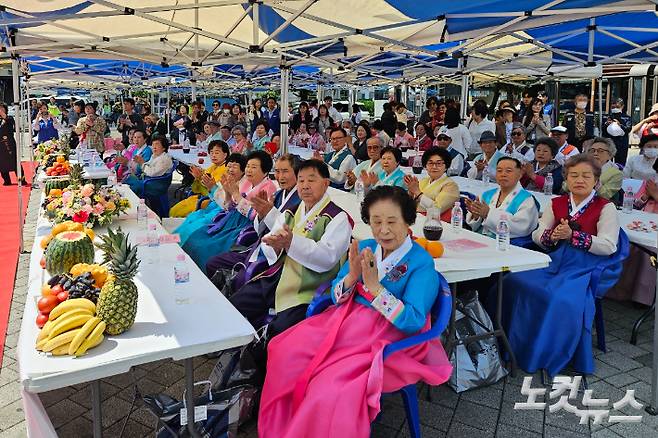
110 206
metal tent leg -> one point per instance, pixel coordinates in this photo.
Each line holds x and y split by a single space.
96 408
189 396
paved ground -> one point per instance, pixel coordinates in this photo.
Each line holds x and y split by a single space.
485 412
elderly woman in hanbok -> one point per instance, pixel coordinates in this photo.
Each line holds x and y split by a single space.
391 174
603 150
225 227
261 136
204 180
548 313
203 216
241 145
535 172
437 190
315 141
638 279
159 164
326 374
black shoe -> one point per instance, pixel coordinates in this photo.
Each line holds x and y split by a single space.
7 183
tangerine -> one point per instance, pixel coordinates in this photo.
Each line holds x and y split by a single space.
422 242
435 248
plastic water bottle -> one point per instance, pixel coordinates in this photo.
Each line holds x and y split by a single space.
359 190
181 280
153 242
457 217
485 176
548 185
629 198
502 234
112 178
142 215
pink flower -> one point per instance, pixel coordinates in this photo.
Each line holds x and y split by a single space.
98 209
66 196
87 190
87 208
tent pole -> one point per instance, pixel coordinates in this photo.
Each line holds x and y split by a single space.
464 91
405 93
601 105
283 111
19 142
168 113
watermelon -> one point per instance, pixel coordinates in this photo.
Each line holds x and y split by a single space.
57 183
68 249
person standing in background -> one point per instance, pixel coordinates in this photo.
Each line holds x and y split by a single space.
617 127
7 145
579 122
129 119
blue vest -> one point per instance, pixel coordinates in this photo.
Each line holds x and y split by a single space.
47 131
336 164
513 206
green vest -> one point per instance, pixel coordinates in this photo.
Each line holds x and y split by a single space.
298 284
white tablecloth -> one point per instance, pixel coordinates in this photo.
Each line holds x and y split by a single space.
455 265
163 329
191 158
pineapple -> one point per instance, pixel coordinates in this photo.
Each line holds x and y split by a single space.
75 174
117 303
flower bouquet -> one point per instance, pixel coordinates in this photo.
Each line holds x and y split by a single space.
85 204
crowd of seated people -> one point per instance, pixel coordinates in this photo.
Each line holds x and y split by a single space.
300 241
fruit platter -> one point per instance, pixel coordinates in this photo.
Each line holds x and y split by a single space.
60 167
82 302
47 152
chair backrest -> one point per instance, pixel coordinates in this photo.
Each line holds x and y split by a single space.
607 272
441 311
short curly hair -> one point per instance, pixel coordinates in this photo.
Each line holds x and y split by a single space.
435 150
395 194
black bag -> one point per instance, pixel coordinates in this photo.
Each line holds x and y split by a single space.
476 363
225 410
223 279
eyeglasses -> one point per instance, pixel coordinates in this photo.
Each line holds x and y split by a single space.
443 138
435 163
337 138
215 104
517 133
597 151
373 148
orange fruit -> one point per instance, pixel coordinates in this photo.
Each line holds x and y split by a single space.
435 248
422 242
45 290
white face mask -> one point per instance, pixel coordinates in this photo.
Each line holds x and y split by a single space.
615 110
581 105
651 152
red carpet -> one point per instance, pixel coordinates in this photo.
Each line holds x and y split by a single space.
9 241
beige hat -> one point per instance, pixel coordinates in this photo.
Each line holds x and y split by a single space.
654 109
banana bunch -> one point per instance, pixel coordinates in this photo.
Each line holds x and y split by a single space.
72 329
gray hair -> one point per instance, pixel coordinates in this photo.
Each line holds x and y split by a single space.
582 159
609 144
240 128
378 139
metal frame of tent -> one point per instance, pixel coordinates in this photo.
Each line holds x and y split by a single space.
407 37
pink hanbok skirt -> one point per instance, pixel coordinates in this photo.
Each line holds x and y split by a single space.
325 375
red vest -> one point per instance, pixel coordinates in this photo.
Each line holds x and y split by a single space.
588 220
